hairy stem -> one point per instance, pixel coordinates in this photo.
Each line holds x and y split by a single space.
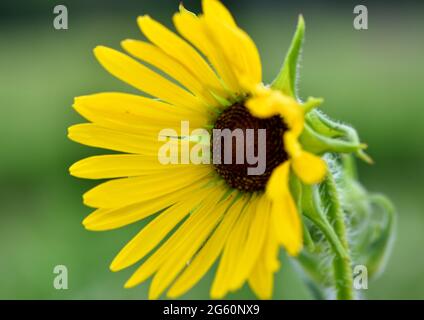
342 264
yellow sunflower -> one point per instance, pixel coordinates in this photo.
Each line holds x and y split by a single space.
211 76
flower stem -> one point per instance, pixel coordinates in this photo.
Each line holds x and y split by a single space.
342 265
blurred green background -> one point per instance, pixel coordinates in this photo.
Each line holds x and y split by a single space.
372 79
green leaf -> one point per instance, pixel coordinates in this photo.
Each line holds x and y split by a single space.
378 251
287 77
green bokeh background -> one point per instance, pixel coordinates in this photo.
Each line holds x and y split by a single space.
371 79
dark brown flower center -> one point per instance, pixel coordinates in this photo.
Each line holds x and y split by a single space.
236 174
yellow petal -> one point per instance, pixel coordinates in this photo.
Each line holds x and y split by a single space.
309 167
108 219
261 107
182 255
156 260
159 59
261 280
125 191
232 252
252 248
130 71
119 165
217 9
271 251
266 102
278 181
95 136
285 216
208 254
151 235
292 145
179 49
238 48
194 30
287 224
135 114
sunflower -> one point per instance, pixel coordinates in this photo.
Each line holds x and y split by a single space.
210 75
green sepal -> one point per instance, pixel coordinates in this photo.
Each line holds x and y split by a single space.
321 135
286 79
379 249
372 218
316 274
313 209
296 191
311 103
311 260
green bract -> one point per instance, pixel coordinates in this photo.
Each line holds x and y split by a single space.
345 225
